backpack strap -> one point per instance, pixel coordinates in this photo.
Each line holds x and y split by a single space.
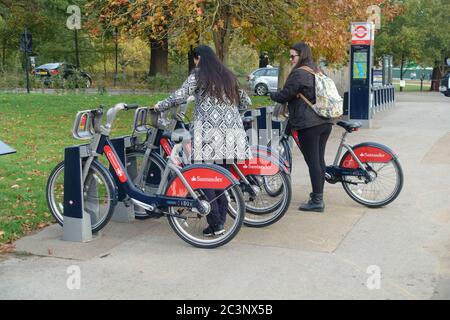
305 99
307 69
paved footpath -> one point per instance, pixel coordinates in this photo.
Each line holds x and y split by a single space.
304 256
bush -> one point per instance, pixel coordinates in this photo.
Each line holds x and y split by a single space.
162 83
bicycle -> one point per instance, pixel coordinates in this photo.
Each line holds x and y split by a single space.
181 198
147 161
370 172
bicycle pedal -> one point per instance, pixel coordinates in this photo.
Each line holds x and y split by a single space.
154 214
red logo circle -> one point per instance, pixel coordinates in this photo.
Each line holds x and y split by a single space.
360 32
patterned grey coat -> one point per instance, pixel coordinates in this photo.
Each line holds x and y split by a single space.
217 129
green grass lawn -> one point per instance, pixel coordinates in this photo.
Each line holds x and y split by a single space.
39 127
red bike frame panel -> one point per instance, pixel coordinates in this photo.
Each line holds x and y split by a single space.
166 146
256 166
268 153
366 154
198 178
115 163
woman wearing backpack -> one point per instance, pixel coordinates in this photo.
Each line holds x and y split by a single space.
313 131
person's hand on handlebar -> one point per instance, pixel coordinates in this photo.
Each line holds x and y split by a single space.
156 107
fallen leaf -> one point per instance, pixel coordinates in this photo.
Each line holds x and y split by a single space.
7 248
2 233
16 186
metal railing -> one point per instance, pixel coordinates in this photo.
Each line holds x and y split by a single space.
383 98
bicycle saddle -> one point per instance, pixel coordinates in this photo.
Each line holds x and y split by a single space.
349 126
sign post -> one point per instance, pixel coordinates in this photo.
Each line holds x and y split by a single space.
361 62
74 23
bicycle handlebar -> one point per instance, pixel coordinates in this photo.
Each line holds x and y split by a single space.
112 113
131 106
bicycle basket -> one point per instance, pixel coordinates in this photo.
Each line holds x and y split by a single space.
83 127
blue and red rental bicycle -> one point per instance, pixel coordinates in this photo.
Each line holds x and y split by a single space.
369 172
180 195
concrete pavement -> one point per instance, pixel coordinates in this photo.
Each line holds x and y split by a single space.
350 252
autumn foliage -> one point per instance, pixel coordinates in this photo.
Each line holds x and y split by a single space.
270 25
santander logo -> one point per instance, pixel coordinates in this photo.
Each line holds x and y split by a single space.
261 167
373 155
115 164
206 179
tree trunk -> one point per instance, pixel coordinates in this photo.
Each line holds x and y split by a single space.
3 55
104 61
159 57
436 77
191 63
222 37
283 71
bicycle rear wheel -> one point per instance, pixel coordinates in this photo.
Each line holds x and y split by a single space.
386 184
190 225
265 209
98 195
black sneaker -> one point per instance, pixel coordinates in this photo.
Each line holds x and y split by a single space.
214 230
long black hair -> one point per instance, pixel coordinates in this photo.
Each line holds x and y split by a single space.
214 77
305 57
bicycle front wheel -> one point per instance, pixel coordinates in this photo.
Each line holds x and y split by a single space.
190 224
98 195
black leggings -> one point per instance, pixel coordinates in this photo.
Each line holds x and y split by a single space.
312 145
219 205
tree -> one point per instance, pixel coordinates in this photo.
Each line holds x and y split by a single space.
418 35
267 25
46 20
146 19
323 24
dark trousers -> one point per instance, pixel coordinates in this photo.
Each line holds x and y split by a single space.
312 145
219 206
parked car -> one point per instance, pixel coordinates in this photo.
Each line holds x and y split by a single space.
65 71
263 80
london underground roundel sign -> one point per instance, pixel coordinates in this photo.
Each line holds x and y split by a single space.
362 34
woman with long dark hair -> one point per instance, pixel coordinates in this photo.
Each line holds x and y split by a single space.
218 132
313 131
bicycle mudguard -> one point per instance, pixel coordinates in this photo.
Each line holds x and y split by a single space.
201 176
368 152
266 152
261 165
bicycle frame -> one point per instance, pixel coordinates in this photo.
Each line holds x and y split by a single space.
352 162
342 145
103 145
